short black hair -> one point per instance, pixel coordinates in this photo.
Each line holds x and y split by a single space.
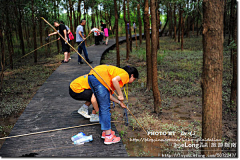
131 70
62 22
55 21
82 20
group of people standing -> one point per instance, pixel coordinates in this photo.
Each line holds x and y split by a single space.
80 38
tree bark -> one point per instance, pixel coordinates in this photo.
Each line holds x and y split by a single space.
175 23
148 47
9 38
182 27
79 10
212 74
130 29
179 22
34 34
70 18
116 24
170 19
2 58
233 97
156 93
139 22
17 11
127 39
158 22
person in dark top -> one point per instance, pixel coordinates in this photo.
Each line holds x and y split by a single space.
103 26
65 47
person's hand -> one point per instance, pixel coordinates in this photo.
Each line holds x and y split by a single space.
84 39
120 98
66 39
59 38
122 105
49 35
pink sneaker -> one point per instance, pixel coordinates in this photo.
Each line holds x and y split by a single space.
103 134
111 139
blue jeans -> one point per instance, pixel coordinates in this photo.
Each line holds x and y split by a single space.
80 48
103 98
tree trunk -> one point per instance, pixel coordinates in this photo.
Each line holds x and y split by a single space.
148 47
170 19
225 18
116 24
34 33
75 19
130 28
17 11
197 17
233 98
175 23
135 32
2 58
158 22
9 39
40 31
182 27
127 39
179 22
79 11
139 22
70 18
156 93
212 74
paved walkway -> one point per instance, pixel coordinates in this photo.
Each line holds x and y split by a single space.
53 108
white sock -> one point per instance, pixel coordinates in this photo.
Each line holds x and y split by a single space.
85 106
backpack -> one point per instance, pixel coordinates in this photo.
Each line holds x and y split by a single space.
71 37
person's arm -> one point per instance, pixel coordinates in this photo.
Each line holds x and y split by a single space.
69 31
80 33
52 33
115 81
65 34
112 98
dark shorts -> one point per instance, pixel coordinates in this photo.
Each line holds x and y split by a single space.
65 47
86 95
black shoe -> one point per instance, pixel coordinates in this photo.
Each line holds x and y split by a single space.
80 62
89 61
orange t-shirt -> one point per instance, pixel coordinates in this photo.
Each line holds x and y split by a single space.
80 84
108 72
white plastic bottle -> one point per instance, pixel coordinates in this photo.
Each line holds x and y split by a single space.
83 139
78 136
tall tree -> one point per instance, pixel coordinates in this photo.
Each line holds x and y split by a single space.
116 27
9 37
233 97
179 22
2 57
139 22
175 23
212 73
126 28
156 92
34 33
182 27
18 15
148 47
130 30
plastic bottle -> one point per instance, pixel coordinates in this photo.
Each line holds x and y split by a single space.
83 139
78 136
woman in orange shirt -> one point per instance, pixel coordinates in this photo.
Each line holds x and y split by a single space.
79 89
115 78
